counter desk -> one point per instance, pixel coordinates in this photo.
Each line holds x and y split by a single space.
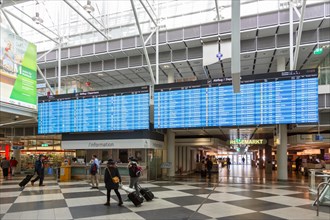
81 172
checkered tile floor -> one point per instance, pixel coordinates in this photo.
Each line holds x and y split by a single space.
190 198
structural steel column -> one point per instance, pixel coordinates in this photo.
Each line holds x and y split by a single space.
291 35
59 71
184 159
268 159
236 44
282 157
165 153
261 154
188 159
142 42
171 152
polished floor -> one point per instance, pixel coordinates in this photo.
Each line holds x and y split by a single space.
243 192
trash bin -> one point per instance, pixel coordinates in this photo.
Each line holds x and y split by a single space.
65 173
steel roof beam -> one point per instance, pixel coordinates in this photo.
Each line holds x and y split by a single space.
10 23
40 72
144 46
81 15
298 40
217 9
145 8
26 23
39 24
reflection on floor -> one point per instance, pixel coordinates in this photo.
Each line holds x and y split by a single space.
243 192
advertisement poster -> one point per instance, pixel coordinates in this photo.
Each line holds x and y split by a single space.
18 70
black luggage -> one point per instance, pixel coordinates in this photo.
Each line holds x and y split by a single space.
135 198
26 180
147 194
203 173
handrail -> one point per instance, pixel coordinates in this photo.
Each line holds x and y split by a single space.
318 196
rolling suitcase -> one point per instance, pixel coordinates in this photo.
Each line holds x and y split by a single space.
135 198
147 194
26 180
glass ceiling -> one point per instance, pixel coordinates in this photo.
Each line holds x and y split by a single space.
115 19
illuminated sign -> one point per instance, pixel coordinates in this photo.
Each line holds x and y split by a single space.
247 142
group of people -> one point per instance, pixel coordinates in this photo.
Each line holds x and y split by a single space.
112 177
8 166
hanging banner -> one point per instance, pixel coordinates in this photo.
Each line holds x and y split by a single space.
18 70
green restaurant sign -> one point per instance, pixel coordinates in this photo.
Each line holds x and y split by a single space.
44 145
247 142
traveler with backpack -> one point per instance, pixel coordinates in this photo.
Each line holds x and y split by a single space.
134 171
94 172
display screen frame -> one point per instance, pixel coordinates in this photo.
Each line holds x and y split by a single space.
142 92
276 78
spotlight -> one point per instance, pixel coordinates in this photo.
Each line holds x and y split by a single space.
89 8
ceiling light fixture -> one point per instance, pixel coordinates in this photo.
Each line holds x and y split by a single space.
89 8
100 74
166 66
37 18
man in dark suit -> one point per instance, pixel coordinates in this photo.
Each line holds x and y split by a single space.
40 170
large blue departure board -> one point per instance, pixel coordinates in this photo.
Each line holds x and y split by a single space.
106 110
273 98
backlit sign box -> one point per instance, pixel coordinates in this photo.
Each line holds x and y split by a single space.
247 142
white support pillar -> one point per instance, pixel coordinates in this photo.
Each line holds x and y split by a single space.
59 71
165 155
236 44
184 159
180 165
261 155
291 35
145 52
189 159
282 157
176 159
171 152
157 44
194 155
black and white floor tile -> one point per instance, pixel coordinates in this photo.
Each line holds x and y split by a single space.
192 198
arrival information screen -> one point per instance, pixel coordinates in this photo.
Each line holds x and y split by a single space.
272 98
106 110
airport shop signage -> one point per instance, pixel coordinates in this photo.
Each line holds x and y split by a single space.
112 144
247 141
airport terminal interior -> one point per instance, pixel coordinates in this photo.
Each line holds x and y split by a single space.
224 105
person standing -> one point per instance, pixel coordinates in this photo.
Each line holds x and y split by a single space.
298 164
110 173
209 165
94 170
134 173
243 160
5 164
228 163
13 163
39 168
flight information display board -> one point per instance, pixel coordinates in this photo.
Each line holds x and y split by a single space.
106 110
273 98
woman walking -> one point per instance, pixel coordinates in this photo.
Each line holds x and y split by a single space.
112 179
